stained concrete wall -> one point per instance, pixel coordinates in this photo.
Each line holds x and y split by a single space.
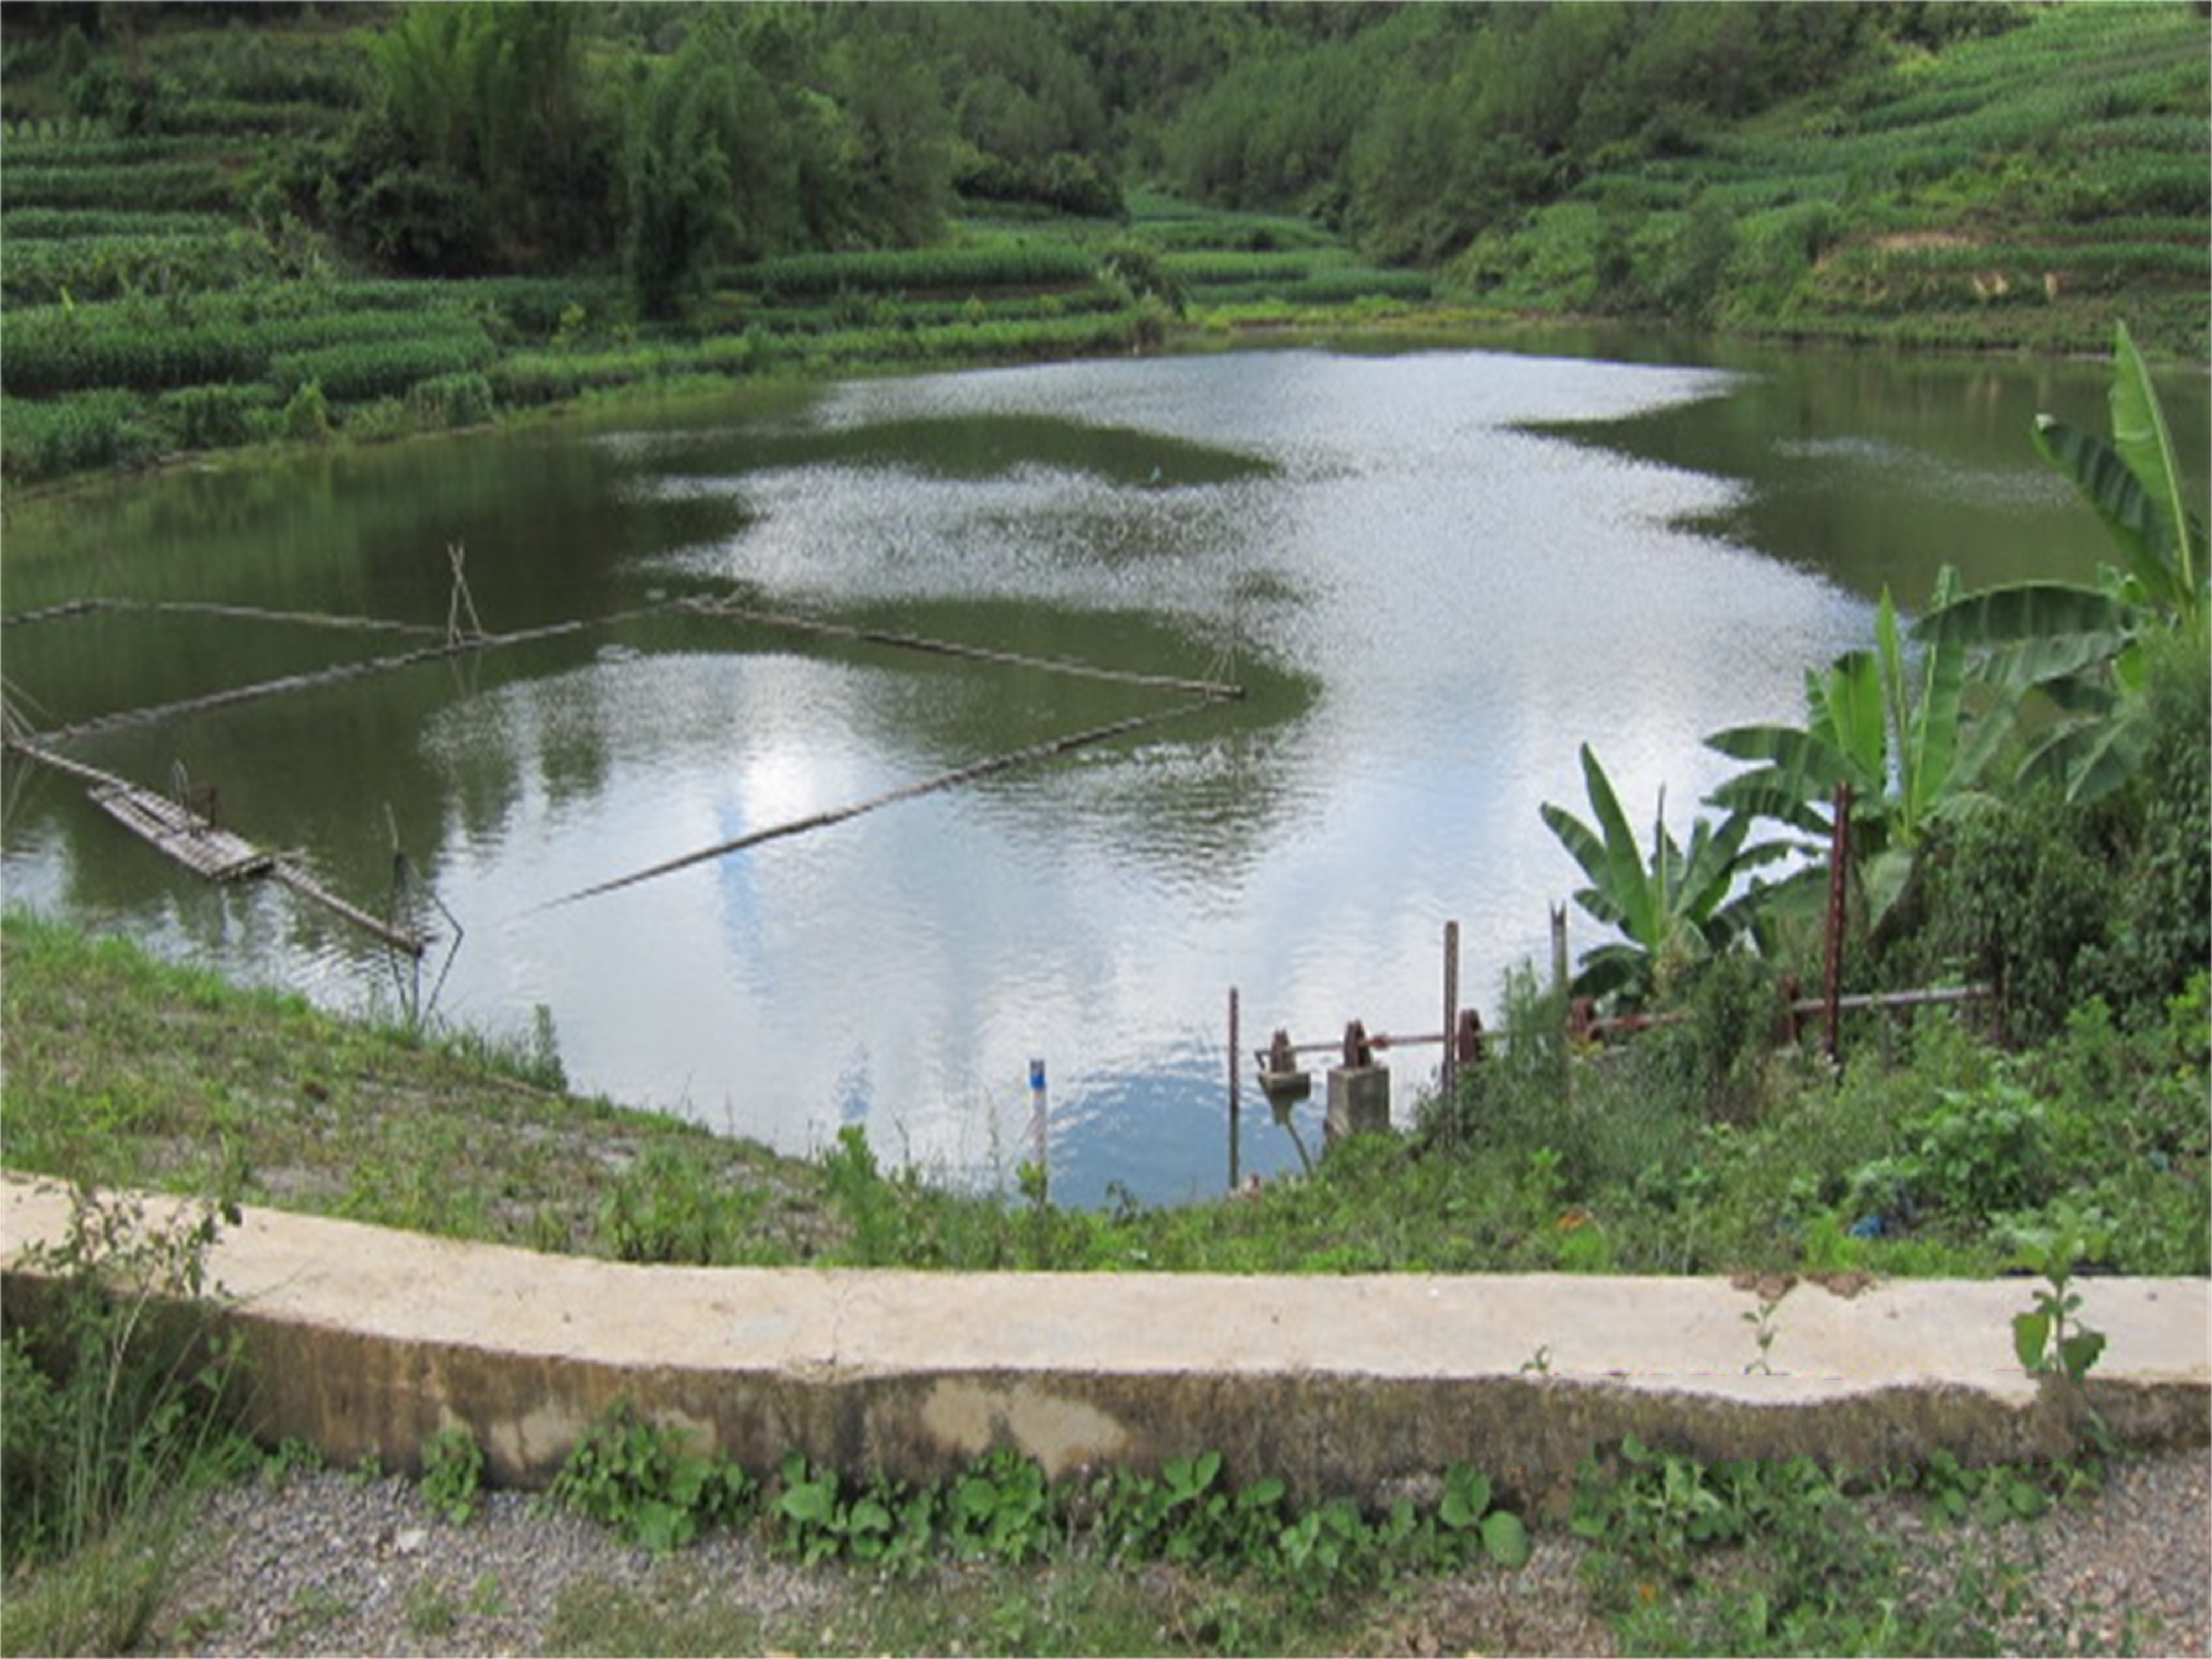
366 1341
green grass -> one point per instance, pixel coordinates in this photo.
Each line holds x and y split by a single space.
121 1070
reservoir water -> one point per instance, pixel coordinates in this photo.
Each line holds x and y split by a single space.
1435 574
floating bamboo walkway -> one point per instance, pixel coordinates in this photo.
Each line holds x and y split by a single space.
206 849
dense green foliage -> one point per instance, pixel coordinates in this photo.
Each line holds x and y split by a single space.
673 191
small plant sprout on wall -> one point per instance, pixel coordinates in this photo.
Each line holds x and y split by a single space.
2049 1338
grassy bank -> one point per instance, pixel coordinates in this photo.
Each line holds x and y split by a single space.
118 1068
122 1070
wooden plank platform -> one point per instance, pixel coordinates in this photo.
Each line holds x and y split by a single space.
208 851
200 846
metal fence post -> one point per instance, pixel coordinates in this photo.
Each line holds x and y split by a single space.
1839 852
1451 1015
1233 1075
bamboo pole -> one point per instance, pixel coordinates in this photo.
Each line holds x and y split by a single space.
982 768
336 674
217 608
1214 689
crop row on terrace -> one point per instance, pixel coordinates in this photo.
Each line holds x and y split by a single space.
55 349
1024 264
173 185
22 225
43 271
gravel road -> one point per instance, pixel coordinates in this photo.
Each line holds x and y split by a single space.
328 1563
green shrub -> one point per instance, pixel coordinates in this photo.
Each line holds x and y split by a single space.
307 415
2018 904
453 1475
2157 929
218 417
1510 1099
1983 1153
666 1208
93 430
454 400
116 1389
637 1476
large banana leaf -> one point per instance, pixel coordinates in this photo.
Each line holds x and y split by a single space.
2132 516
1923 720
2146 447
2033 632
1672 895
1846 709
2134 487
2091 758
1610 858
1798 777
1887 727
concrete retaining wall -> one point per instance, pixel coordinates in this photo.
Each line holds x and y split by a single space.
366 1341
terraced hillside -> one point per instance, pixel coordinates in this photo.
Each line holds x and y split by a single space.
2022 190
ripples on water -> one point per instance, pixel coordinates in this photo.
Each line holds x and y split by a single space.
1433 606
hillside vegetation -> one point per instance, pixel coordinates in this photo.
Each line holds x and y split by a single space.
225 225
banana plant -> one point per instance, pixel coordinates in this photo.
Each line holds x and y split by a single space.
1670 901
1893 728
2082 646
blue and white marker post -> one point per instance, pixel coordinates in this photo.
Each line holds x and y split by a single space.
1040 1132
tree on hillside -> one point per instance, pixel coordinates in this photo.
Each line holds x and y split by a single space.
769 130
679 213
482 151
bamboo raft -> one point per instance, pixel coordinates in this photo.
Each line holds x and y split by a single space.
205 848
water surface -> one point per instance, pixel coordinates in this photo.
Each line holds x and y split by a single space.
1435 574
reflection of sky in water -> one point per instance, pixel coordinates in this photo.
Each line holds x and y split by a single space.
1471 600
1474 602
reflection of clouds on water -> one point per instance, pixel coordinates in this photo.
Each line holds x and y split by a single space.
1473 598
1465 602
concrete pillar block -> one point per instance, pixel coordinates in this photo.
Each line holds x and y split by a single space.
1359 1101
